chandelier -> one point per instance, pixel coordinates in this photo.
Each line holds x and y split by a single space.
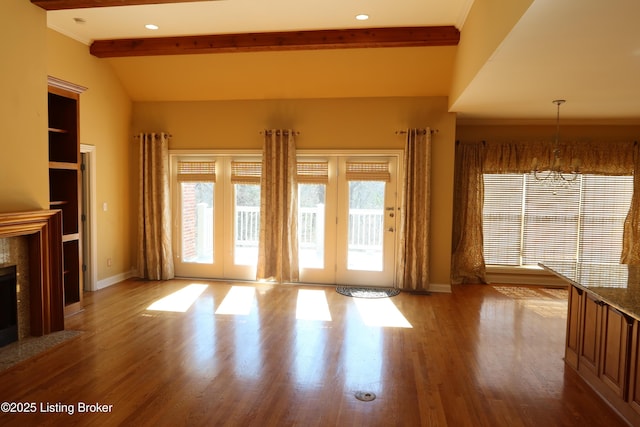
554 176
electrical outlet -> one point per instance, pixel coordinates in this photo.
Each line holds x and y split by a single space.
108 262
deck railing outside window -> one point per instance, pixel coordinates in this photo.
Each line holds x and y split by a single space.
365 228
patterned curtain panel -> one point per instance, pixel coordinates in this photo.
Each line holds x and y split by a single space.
278 245
155 258
631 233
413 260
467 259
473 159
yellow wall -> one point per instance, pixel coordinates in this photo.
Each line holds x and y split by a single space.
348 123
486 26
105 113
293 74
24 178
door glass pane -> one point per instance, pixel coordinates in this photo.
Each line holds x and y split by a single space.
366 215
247 223
197 221
311 214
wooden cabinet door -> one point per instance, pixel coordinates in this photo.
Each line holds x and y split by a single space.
573 326
589 355
614 357
634 375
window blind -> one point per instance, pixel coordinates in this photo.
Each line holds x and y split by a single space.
502 218
313 172
196 171
525 223
368 171
550 223
246 172
606 202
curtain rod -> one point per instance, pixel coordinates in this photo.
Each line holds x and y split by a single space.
423 131
168 135
284 132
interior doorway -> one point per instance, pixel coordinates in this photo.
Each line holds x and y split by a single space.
88 233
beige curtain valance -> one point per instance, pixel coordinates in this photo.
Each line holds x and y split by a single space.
611 158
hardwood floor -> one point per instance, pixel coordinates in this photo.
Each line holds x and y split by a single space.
481 356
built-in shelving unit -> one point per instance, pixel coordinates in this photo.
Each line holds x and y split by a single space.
65 183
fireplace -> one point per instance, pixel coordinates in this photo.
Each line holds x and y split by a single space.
40 294
8 305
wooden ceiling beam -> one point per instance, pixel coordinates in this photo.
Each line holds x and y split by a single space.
294 40
82 4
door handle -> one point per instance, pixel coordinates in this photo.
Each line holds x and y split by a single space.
390 229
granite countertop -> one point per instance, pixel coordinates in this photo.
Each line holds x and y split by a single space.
615 284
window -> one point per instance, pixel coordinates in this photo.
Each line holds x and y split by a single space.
367 183
526 222
245 177
216 209
197 182
346 215
313 178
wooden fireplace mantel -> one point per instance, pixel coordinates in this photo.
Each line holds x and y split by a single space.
43 229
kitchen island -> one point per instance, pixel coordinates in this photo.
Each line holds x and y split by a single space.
603 330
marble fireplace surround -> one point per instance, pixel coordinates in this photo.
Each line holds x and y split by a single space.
43 231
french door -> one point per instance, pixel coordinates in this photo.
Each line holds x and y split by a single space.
352 239
216 210
347 214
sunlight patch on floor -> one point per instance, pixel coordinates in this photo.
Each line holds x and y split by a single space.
238 301
180 300
544 302
312 305
381 312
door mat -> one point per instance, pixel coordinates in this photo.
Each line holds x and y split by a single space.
350 291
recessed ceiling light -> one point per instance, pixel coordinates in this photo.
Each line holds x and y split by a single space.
362 17
151 27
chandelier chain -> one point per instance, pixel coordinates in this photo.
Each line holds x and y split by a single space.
554 177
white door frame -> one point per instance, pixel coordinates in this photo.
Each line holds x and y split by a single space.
89 238
228 155
385 277
223 266
332 274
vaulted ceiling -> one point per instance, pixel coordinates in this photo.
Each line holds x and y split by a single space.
586 51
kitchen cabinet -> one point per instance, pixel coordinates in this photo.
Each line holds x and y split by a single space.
603 331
